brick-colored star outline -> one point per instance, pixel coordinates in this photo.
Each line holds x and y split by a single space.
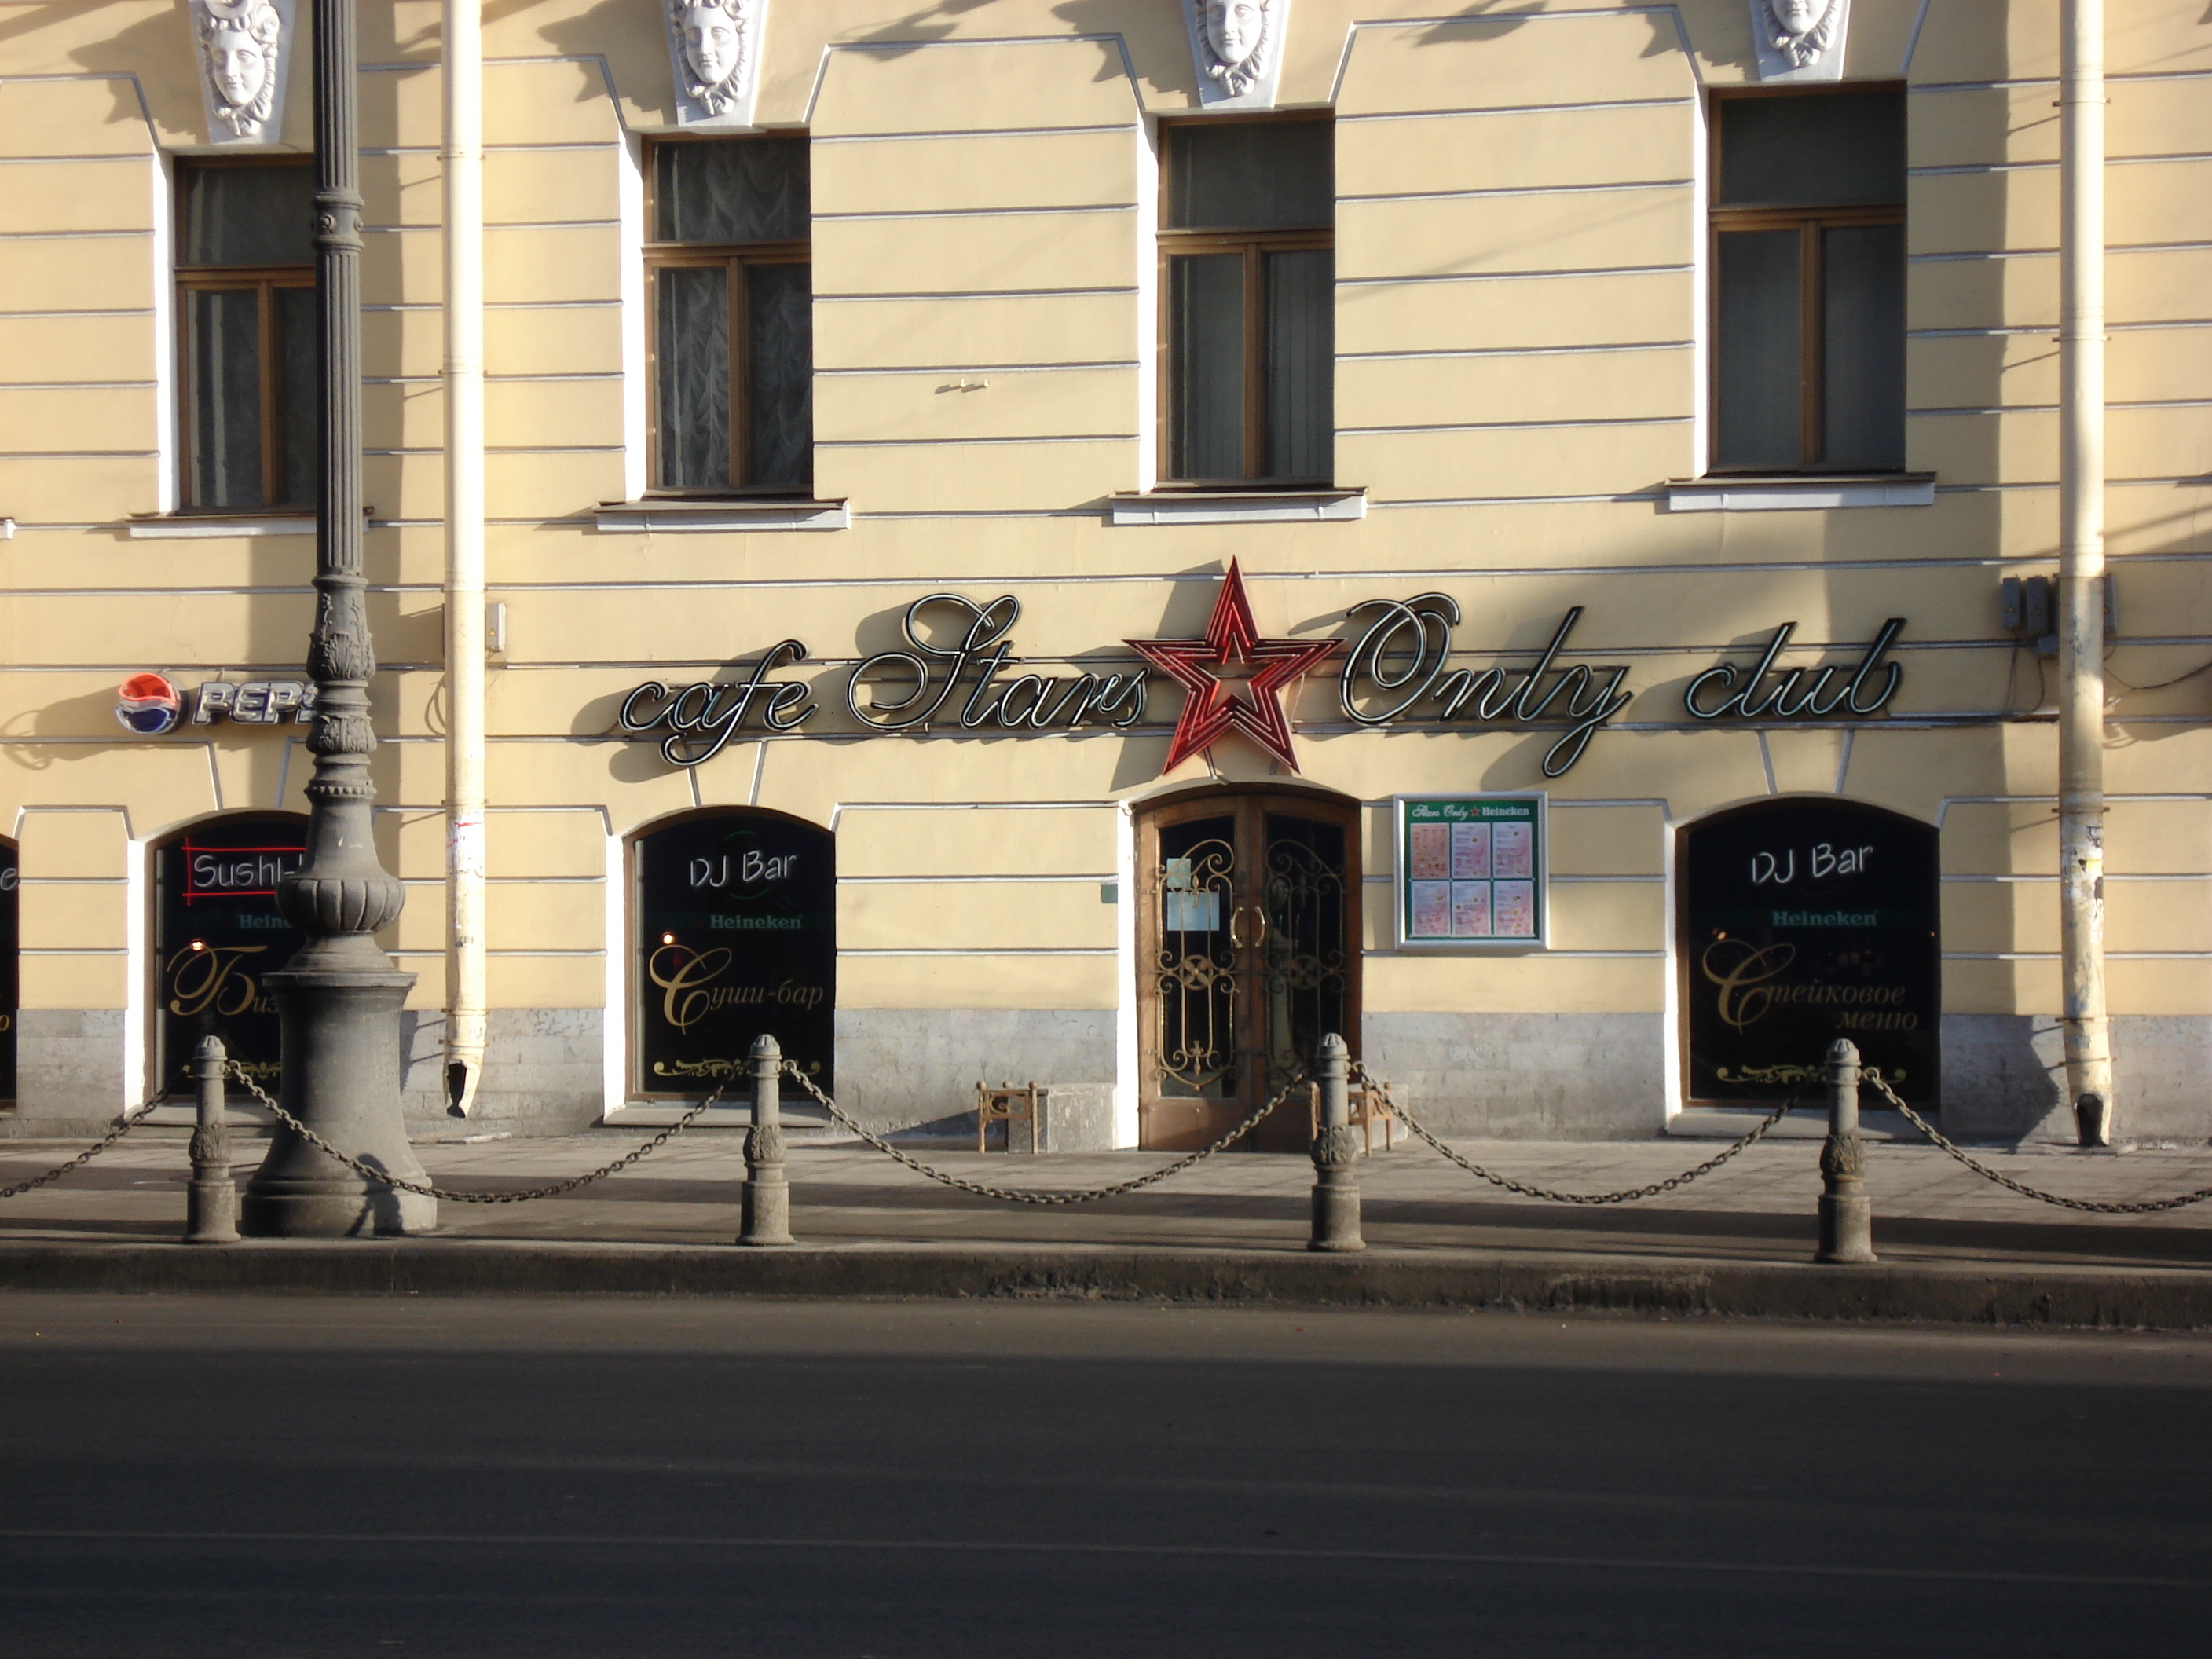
1249 703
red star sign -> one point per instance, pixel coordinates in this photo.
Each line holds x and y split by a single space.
1232 679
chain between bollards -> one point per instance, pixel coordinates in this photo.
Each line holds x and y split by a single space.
1846 1212
376 1174
210 1198
1335 1150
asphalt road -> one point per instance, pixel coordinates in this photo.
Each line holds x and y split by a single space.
282 1479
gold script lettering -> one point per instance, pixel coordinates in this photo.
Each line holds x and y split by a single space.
1745 994
682 973
211 981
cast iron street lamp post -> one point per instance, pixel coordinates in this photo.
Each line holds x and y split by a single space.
338 999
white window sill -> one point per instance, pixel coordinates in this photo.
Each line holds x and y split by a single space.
185 526
682 517
1800 493
1234 505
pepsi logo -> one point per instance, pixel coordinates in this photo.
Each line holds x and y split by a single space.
148 705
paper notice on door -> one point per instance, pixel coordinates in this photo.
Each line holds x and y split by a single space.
1432 909
1470 909
1516 905
1431 851
1470 853
1512 850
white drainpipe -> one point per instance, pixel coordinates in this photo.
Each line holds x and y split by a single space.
2081 563
462 158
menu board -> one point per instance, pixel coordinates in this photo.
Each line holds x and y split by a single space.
737 920
1803 920
1471 871
217 933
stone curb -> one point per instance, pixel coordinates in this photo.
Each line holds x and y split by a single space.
2072 1296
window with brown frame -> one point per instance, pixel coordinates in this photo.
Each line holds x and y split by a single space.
1248 271
245 298
1809 280
731 273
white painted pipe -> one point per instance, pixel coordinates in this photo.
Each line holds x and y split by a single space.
2082 562
462 159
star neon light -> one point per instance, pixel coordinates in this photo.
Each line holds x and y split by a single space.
1232 679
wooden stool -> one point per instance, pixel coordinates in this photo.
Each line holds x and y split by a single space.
1008 1103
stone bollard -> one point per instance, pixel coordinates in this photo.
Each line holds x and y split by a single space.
1846 1218
1335 1194
210 1198
768 1195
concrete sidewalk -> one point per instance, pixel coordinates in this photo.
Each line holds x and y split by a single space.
1952 1245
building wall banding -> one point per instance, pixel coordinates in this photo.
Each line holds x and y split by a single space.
1521 303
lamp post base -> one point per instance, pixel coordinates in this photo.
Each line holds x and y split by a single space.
341 1053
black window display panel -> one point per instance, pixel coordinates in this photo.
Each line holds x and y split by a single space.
1803 921
736 920
218 934
10 969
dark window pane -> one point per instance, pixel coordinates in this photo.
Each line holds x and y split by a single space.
1813 149
1862 345
298 394
781 301
1206 351
1761 372
250 216
224 352
1301 363
733 189
692 365
1251 175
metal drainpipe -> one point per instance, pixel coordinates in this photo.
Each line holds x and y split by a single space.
462 159
2081 566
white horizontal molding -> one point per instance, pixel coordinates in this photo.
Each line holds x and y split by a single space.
694 517
1799 495
1235 506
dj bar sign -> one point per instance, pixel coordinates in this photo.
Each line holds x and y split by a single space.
957 669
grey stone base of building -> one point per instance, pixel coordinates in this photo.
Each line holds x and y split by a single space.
1531 1076
917 1068
543 1072
69 1072
2004 1079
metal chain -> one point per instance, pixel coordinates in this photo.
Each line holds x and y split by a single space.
1510 1185
1030 1195
2145 1206
132 1120
384 1177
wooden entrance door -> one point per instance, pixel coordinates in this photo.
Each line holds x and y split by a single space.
1248 952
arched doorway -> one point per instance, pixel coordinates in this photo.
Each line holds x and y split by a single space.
1248 950
217 932
1801 920
735 934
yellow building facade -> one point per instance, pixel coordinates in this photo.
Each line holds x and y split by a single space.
961 349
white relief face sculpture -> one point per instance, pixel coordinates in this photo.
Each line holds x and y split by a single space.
1802 30
711 38
1234 28
1235 33
239 41
237 65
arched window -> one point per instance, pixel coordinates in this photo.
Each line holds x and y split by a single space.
217 933
736 934
1803 920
